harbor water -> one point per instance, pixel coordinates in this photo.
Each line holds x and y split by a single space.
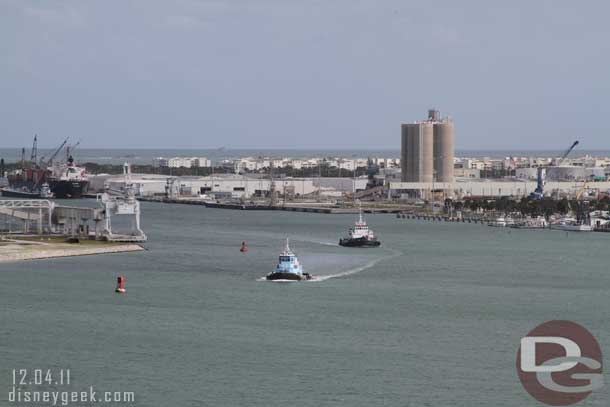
433 317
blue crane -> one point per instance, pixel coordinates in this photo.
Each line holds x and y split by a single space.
539 192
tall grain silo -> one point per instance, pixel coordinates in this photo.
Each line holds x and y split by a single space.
443 150
416 152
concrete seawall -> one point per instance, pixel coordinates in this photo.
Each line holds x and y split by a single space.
17 252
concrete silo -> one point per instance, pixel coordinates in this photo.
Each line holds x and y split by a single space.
417 152
443 150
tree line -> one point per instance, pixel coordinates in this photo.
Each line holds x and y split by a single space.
531 207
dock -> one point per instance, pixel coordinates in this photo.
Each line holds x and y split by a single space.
290 207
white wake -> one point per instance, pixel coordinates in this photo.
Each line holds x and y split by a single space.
358 269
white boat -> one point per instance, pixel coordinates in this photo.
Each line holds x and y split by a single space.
499 222
599 219
570 224
532 223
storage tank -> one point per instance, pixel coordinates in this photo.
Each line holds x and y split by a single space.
416 152
443 150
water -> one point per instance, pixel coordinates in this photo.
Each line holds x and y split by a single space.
145 156
432 318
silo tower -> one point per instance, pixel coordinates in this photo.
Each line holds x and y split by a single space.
443 150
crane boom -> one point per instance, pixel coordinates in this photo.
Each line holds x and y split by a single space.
34 153
50 160
70 149
539 192
568 151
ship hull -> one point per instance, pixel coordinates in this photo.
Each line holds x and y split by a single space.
286 276
13 193
360 242
68 189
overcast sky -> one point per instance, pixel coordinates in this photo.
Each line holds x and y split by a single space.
303 73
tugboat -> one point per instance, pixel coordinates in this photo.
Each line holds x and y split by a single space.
360 235
288 267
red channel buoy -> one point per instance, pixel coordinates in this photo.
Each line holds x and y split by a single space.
243 248
120 285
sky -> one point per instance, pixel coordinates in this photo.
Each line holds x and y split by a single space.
303 73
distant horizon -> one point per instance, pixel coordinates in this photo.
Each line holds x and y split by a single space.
146 155
301 149
28 148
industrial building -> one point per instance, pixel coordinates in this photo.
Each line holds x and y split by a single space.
427 150
229 185
416 152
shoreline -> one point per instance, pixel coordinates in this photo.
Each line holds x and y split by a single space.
41 253
291 207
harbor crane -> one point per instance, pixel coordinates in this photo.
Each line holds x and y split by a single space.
44 164
539 192
34 153
50 160
70 149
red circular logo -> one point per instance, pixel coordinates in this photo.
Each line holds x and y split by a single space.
560 363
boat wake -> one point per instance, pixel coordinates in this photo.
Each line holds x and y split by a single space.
279 280
358 269
319 242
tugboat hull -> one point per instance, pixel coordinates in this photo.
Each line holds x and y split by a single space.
288 276
360 242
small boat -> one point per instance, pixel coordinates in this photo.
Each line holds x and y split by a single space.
571 224
243 247
360 235
288 267
531 223
502 222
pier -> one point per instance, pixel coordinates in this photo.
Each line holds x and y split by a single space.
289 207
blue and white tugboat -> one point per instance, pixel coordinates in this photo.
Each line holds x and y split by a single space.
360 235
288 267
